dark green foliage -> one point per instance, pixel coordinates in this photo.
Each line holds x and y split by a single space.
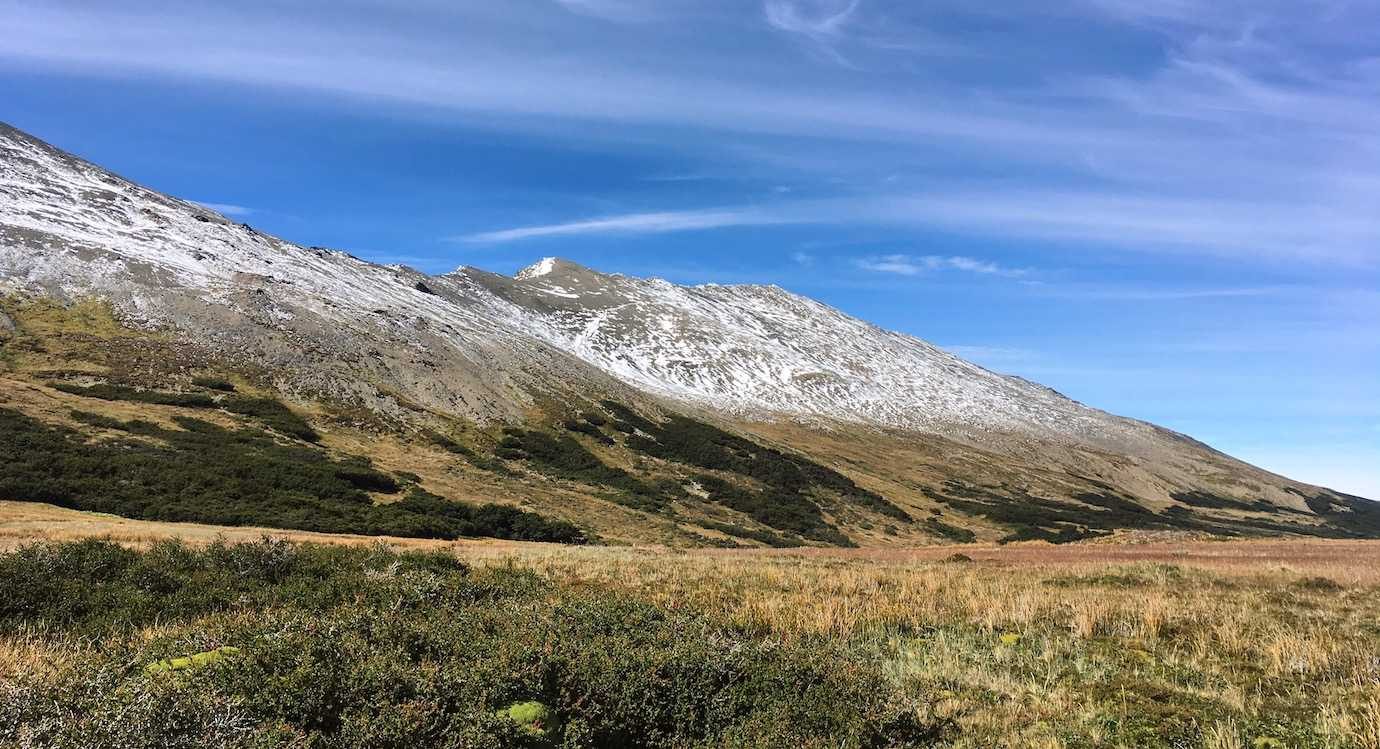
205 473
95 585
1352 515
448 444
1213 501
105 391
629 419
1037 518
267 411
99 421
489 520
1362 516
784 503
774 540
363 476
563 457
585 427
775 508
1320 504
951 532
214 383
1118 506
696 443
273 415
365 648
1060 534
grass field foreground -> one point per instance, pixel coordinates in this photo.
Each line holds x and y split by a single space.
1239 644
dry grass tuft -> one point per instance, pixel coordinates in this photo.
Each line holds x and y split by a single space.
1027 646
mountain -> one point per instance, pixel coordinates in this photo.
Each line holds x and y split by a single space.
886 438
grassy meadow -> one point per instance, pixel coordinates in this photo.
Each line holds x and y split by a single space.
430 643
122 624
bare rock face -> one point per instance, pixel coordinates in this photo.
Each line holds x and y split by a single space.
486 347
6 327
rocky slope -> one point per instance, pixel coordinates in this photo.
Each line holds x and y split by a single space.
489 349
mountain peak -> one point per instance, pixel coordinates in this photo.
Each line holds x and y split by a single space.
540 268
548 266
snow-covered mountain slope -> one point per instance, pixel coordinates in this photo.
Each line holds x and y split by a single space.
484 347
71 227
760 350
324 318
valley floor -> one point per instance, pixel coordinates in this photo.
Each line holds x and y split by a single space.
1354 562
1150 644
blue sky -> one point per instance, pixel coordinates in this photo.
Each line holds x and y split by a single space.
1166 208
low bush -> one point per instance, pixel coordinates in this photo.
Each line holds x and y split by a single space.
322 658
273 415
784 503
214 383
269 412
206 473
109 392
587 428
950 532
563 457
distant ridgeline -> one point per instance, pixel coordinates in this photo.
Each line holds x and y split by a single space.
1099 513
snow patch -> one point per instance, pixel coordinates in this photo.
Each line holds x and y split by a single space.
537 270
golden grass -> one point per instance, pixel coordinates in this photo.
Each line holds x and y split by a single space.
1027 645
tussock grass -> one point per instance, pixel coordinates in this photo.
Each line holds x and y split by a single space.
1142 655
1197 645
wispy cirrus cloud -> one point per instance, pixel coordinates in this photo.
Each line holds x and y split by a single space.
632 223
820 23
611 10
1109 155
1316 232
914 265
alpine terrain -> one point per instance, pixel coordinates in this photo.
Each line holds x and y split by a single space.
140 332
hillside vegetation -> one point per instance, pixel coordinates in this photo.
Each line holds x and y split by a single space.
198 438
272 644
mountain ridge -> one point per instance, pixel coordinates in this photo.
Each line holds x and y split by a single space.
494 350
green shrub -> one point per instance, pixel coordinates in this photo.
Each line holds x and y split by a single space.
214 383
109 392
785 502
272 414
564 458
267 411
585 427
363 647
950 532
206 473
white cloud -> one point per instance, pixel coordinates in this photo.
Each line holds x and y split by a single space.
816 20
1251 137
612 10
1317 232
1135 294
914 265
803 258
225 209
634 223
